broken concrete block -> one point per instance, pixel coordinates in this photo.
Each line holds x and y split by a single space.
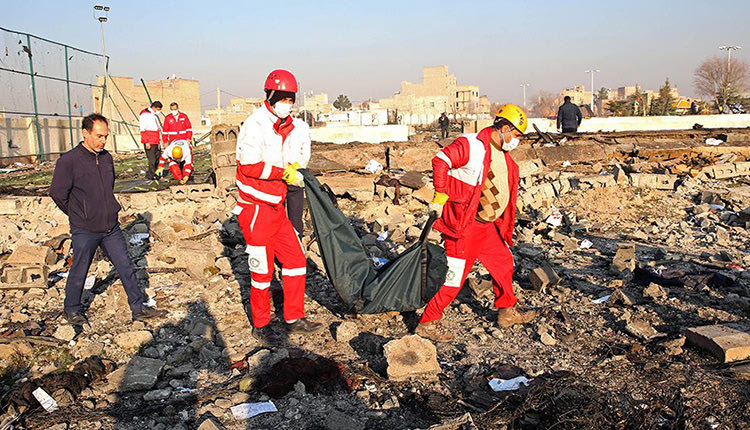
412 179
527 168
163 232
728 342
624 259
32 255
340 421
621 177
411 357
654 181
655 291
141 373
192 192
624 297
424 194
210 424
10 207
641 329
133 339
144 200
65 332
543 277
346 331
741 372
360 188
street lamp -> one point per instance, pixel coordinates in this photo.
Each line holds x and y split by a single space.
729 49
524 95
100 14
592 71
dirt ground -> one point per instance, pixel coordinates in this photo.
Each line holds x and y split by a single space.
590 363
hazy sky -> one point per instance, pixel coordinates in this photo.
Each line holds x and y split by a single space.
365 49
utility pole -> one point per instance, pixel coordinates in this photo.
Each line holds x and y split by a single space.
524 86
592 71
218 103
100 14
729 49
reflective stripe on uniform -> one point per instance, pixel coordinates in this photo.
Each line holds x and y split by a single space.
258 194
260 285
299 271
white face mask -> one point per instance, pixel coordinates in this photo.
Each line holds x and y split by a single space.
175 112
513 144
283 109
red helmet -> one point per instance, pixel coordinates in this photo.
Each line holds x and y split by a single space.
281 80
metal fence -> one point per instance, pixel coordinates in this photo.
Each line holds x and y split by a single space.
45 90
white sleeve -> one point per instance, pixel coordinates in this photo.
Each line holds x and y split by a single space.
142 120
249 143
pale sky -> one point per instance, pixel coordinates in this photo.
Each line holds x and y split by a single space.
365 49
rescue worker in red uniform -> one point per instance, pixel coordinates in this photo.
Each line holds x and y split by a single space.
180 158
176 125
263 172
149 126
476 185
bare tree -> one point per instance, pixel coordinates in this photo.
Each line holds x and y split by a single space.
545 105
722 80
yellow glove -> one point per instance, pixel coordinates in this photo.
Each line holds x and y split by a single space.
292 176
159 171
184 180
438 201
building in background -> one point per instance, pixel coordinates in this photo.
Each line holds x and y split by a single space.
236 113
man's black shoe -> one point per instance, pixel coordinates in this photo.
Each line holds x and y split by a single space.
303 326
76 319
266 336
147 313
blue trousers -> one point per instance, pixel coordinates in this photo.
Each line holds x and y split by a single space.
113 244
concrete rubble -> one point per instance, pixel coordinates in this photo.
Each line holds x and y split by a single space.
660 224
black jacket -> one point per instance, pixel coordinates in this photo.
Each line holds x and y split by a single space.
83 188
444 122
569 115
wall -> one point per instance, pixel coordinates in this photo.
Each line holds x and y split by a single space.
342 133
21 132
632 123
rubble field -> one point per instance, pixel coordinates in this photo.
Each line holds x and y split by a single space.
633 247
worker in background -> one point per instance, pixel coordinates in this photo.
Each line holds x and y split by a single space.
568 116
180 157
176 125
82 187
445 124
476 185
264 170
150 126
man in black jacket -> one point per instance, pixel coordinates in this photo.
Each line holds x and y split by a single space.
445 124
82 187
568 116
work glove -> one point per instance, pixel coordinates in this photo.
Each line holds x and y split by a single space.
184 180
438 201
292 176
159 171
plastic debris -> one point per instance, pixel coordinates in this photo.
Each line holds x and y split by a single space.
498 384
89 283
601 299
555 219
138 238
586 244
713 142
373 166
244 411
48 403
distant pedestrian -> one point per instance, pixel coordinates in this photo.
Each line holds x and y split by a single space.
693 108
568 116
150 127
445 124
82 187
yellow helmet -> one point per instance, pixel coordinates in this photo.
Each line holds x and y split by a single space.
176 153
514 114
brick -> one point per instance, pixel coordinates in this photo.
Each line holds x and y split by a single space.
544 277
225 177
223 147
10 207
192 192
728 342
12 275
34 274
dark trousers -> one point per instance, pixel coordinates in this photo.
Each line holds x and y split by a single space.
153 155
443 133
113 244
295 205
570 129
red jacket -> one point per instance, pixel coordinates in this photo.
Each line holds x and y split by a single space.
460 170
176 128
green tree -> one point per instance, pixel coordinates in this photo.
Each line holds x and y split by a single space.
601 95
342 103
662 105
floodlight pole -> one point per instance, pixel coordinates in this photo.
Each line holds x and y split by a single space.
592 71
102 18
524 86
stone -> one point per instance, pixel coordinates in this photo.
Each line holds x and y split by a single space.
163 232
65 332
10 207
153 395
360 188
728 342
547 339
141 373
18 317
624 297
652 180
655 291
624 259
337 420
6 351
641 329
543 277
411 357
37 255
424 194
144 200
741 372
346 331
133 339
412 179
210 424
